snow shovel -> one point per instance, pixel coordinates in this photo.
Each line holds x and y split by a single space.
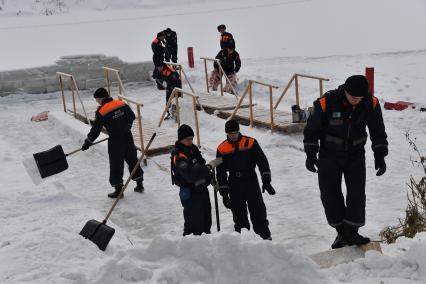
54 160
99 232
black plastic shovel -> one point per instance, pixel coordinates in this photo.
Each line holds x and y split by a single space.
99 232
54 160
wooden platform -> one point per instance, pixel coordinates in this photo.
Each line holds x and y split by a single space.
214 101
342 255
261 117
162 143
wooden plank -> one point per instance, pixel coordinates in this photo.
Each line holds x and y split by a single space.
342 255
216 102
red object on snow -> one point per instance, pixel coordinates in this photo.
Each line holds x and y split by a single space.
369 74
190 57
42 116
399 105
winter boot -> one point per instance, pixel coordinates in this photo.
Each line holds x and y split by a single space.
139 186
116 192
352 237
339 242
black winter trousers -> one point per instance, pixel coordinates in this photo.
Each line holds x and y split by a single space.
330 172
245 193
122 148
197 212
171 53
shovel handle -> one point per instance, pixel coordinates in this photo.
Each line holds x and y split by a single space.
130 177
78 150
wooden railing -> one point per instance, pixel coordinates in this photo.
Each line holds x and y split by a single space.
117 74
72 85
221 72
175 95
249 90
181 72
295 78
139 117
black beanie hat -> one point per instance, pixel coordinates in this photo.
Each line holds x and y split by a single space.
168 30
101 93
357 86
232 126
185 131
221 27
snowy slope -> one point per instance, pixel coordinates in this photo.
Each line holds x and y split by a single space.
39 241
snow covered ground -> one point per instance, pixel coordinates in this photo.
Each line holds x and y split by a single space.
39 241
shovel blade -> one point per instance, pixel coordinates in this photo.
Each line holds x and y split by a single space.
99 233
51 161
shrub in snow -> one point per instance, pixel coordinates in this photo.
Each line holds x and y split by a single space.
415 214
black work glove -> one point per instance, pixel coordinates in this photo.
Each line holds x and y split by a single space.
226 201
268 187
86 145
312 162
380 165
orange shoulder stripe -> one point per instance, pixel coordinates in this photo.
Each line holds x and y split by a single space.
225 147
108 107
248 140
375 102
323 104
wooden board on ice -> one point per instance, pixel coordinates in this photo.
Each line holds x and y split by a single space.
334 257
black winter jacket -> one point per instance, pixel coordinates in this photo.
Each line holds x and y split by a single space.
189 167
341 127
230 63
240 159
115 115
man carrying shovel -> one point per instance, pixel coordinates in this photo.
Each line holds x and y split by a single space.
117 118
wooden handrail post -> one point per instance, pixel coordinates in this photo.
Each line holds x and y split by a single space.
138 109
73 98
62 93
271 109
187 80
284 92
168 104
296 84
197 129
251 103
108 82
321 87
207 77
177 109
239 102
220 80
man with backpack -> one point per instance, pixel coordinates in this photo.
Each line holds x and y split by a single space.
190 173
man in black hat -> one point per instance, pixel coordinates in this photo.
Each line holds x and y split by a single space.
172 78
226 39
238 183
190 173
339 122
117 118
171 45
158 50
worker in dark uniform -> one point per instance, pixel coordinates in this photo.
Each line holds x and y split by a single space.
171 45
117 118
172 78
230 61
226 39
190 173
158 50
238 183
339 122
